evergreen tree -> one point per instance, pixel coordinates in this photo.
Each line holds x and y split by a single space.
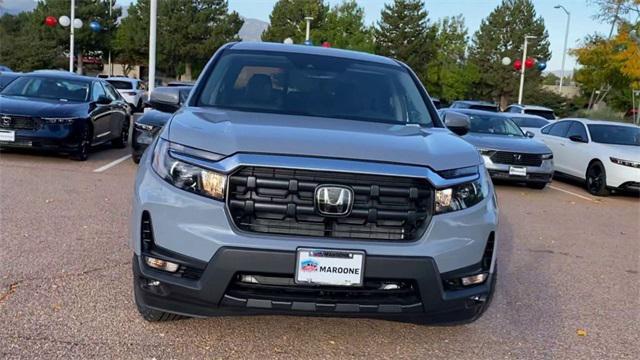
189 32
449 77
345 28
287 20
500 35
404 33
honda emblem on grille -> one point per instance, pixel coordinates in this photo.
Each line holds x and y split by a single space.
6 121
517 157
333 200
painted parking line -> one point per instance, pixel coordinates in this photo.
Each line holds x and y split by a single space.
571 193
112 164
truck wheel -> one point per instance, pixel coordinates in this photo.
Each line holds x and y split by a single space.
537 185
153 315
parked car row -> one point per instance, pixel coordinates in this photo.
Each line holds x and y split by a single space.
605 155
536 110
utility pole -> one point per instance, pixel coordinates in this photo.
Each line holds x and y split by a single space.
71 36
524 59
566 38
110 66
153 22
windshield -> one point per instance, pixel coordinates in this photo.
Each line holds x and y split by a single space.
48 88
614 134
529 122
496 125
121 84
312 85
547 114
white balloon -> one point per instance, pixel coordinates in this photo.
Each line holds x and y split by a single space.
506 60
77 23
64 21
288 41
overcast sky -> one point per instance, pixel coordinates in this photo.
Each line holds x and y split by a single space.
473 11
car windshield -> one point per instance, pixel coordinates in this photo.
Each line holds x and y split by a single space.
5 79
41 87
615 134
547 114
497 125
121 84
529 122
312 85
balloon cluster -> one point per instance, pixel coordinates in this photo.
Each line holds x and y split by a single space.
64 21
529 63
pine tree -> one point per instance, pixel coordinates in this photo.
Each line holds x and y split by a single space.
287 20
345 28
404 33
501 35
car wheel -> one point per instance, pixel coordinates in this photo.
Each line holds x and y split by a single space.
537 185
596 179
121 141
82 152
136 159
139 106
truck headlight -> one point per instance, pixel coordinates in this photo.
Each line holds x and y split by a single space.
462 196
186 176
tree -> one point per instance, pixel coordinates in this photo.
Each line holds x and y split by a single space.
615 62
28 49
189 32
345 28
501 35
448 74
404 33
287 20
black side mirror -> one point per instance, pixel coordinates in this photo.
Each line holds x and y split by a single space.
458 123
577 138
165 99
529 134
103 100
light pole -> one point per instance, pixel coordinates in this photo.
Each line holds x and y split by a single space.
309 19
524 59
110 65
71 32
153 21
566 38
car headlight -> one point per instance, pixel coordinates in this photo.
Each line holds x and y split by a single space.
187 176
486 152
631 163
546 156
144 127
59 121
462 196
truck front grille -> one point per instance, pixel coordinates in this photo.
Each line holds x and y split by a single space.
281 201
513 158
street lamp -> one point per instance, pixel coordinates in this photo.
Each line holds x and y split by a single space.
566 38
309 19
153 22
524 59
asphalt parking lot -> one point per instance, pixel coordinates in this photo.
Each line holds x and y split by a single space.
568 285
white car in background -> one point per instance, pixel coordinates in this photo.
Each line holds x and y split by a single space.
530 123
542 111
606 155
133 91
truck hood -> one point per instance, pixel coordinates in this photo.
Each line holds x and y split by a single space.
507 143
229 132
17 105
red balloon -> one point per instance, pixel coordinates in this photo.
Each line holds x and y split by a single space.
529 63
517 64
51 21
326 44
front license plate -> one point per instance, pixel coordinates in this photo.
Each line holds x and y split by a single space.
7 135
329 267
517 171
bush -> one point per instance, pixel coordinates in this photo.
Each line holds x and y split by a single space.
602 113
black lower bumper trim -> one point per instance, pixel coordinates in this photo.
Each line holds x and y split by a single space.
208 295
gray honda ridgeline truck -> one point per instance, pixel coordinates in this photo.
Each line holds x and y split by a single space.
307 180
